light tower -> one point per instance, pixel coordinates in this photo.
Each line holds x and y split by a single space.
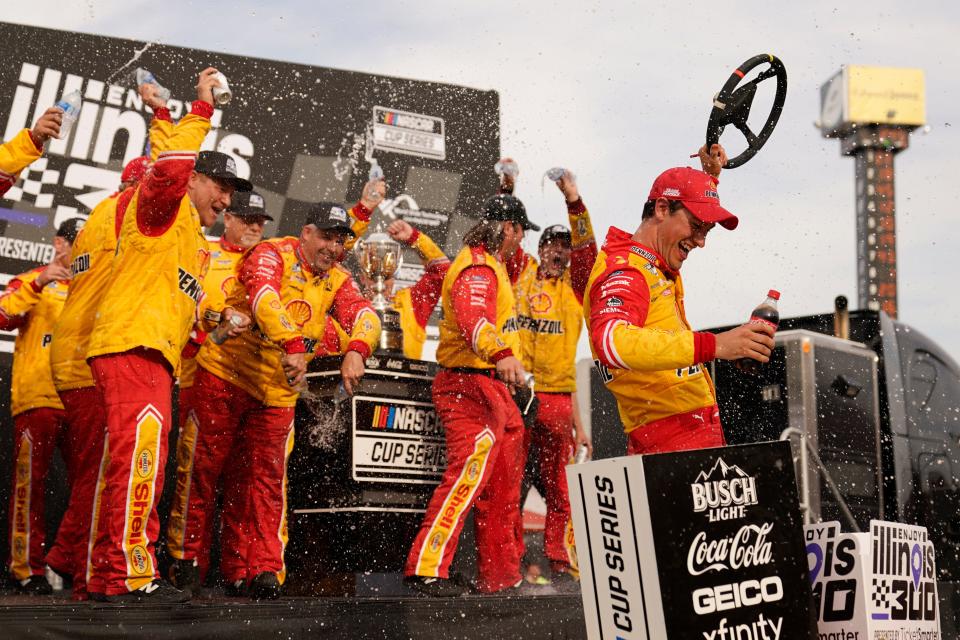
872 110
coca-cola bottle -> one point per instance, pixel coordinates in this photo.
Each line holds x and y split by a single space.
766 313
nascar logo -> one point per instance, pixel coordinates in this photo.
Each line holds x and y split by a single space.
412 419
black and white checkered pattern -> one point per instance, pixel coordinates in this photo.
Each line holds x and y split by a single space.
881 589
32 181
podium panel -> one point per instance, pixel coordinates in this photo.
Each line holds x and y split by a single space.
694 544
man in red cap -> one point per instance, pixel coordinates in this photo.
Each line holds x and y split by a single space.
642 344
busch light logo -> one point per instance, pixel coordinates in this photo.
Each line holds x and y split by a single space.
724 492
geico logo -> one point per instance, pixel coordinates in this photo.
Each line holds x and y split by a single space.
738 594
723 493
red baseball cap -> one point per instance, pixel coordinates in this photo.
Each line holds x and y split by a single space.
135 169
698 193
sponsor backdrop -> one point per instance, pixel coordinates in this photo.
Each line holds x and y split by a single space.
876 585
300 133
703 544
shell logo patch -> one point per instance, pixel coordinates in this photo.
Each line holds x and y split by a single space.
299 311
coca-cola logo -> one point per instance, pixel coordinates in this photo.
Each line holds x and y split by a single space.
748 547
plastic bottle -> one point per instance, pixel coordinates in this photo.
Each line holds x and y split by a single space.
555 173
70 104
145 77
376 171
766 313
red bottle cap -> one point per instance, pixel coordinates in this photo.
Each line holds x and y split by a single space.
773 293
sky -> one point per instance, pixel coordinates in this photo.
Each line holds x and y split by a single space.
619 91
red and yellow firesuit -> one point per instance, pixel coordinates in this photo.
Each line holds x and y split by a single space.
221 277
141 326
39 422
91 267
482 424
15 155
549 318
246 415
646 352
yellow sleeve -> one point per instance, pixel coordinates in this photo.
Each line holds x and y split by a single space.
359 222
161 129
581 228
21 295
15 155
366 329
188 134
428 249
650 349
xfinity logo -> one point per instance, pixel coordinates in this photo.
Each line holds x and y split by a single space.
725 491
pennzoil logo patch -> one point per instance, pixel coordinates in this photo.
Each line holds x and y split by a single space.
189 285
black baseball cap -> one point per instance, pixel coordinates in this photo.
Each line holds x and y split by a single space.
219 165
553 232
329 215
509 208
248 204
70 228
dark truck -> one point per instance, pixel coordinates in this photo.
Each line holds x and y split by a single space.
879 416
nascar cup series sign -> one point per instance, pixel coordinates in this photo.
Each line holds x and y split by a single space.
701 545
873 586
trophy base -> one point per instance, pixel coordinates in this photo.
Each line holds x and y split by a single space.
391 336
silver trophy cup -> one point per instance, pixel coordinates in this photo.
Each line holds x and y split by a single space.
379 257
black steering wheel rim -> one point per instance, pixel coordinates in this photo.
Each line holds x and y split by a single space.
732 106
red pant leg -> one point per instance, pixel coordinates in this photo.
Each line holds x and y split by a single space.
36 434
476 411
85 430
235 525
553 434
498 516
268 436
699 429
207 436
136 387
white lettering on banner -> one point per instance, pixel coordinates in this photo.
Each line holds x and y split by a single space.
748 547
726 490
738 594
108 114
757 630
26 250
613 552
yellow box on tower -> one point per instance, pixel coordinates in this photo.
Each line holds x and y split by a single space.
860 95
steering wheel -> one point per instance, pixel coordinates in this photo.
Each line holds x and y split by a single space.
732 106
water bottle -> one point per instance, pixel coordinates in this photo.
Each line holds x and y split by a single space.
376 171
555 173
766 313
529 382
145 77
70 104
222 94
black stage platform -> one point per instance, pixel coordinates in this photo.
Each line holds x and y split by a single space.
524 617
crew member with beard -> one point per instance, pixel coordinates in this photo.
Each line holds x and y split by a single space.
550 316
646 352
141 326
483 427
243 224
246 390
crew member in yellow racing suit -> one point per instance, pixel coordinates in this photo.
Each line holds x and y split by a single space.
246 390
646 352
31 304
